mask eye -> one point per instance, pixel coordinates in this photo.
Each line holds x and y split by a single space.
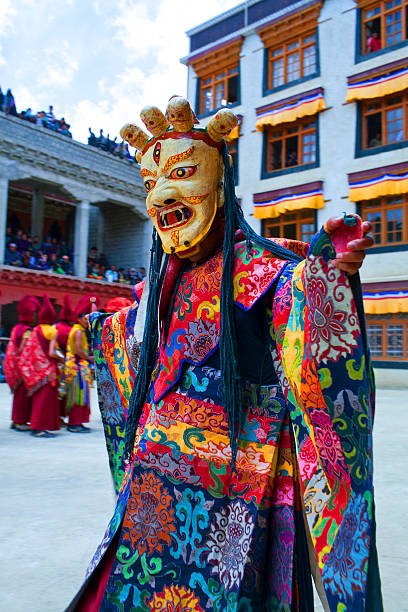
182 173
149 185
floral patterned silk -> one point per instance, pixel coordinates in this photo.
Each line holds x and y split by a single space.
191 533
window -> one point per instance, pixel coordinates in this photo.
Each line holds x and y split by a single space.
218 77
292 61
293 144
384 24
219 90
291 49
388 337
384 121
389 218
298 225
233 151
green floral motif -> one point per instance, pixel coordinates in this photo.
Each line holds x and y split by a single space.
356 373
247 256
183 305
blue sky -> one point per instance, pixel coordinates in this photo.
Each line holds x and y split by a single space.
97 61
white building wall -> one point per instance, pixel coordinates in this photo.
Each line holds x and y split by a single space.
126 237
337 126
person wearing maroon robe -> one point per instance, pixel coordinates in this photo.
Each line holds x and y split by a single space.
21 410
64 326
40 373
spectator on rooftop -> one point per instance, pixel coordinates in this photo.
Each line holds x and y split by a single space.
50 115
13 257
28 115
40 118
100 140
91 138
2 97
10 104
111 275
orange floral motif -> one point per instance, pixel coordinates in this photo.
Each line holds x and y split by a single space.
175 599
149 519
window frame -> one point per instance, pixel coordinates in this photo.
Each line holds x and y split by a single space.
384 322
231 145
361 129
386 247
265 173
360 55
282 220
266 80
213 75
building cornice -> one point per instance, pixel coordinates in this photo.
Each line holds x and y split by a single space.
245 31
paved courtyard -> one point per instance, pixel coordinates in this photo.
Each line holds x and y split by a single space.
57 498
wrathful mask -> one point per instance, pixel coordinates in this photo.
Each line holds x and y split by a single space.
182 171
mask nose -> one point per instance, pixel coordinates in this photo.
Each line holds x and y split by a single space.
164 195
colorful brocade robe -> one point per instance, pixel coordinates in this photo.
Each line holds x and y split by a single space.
189 533
77 371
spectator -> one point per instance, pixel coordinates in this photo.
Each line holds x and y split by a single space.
66 265
93 254
92 138
142 274
35 246
40 118
42 263
49 117
133 276
54 264
121 275
47 246
103 260
374 42
9 235
2 98
102 272
94 272
111 275
13 257
23 244
26 259
376 141
10 104
28 115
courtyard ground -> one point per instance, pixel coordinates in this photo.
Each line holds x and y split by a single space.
57 498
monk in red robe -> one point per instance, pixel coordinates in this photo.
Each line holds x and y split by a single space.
40 373
64 326
21 411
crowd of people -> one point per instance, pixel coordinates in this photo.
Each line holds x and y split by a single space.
48 120
55 256
119 149
41 118
99 269
49 365
25 251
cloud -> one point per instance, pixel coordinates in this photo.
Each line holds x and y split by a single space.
58 67
7 12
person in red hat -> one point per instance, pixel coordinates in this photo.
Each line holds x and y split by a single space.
21 411
78 374
40 373
117 303
64 326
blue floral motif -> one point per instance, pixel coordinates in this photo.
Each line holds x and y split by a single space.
345 567
192 510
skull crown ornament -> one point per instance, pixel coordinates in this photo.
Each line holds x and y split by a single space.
182 171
